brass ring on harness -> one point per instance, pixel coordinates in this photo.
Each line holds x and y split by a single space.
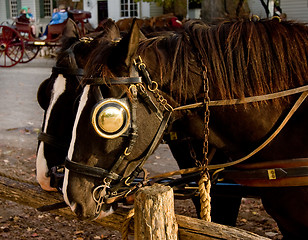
276 17
155 84
105 185
168 107
215 174
126 182
255 17
132 89
141 64
125 152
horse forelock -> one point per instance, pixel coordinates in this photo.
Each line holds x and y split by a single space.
244 58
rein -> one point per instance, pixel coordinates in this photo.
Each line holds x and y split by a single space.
297 104
247 99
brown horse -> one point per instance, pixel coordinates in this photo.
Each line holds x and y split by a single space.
238 59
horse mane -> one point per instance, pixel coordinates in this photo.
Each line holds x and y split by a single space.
243 57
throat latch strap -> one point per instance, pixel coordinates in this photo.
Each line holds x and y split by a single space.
68 71
53 141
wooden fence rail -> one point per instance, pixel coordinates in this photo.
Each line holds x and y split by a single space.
188 228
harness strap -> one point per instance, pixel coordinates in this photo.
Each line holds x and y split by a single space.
297 104
141 68
154 143
151 149
113 81
90 171
51 207
69 71
246 100
51 140
147 100
224 165
287 163
267 174
133 134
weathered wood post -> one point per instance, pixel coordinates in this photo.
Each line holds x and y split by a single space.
154 214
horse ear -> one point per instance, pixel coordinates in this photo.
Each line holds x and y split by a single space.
134 37
108 29
142 36
113 31
42 97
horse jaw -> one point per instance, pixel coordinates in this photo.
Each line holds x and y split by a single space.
103 214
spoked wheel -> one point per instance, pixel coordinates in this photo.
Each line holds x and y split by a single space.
11 47
30 52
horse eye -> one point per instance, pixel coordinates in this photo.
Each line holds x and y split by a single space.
110 118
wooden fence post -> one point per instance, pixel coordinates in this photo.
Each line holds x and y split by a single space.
154 214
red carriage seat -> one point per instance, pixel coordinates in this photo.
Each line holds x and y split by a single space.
55 31
25 30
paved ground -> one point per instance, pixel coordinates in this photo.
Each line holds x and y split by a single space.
20 120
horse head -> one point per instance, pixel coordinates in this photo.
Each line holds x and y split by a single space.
57 96
111 135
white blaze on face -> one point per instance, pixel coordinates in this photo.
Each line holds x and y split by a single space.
41 162
82 103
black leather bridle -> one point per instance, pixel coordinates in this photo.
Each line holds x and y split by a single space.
112 180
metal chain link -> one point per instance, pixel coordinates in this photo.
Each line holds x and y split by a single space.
159 98
206 102
205 183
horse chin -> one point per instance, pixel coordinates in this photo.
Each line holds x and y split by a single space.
87 214
105 213
45 184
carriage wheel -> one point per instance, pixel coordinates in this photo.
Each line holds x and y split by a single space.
30 52
11 47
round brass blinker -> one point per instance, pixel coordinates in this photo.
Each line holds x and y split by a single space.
111 118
